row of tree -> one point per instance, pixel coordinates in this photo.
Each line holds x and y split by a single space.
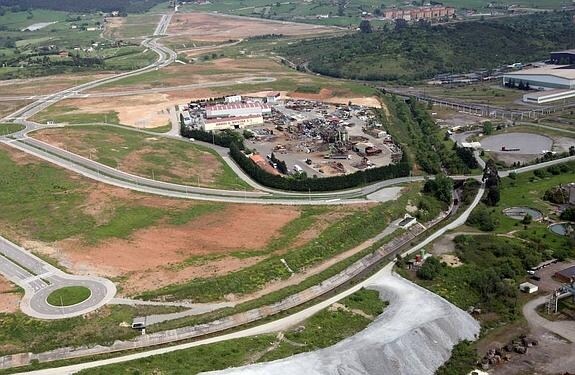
299 182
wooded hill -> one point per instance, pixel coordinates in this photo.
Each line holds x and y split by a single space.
129 6
408 53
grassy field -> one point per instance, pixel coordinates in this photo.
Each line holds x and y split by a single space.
488 94
20 333
324 329
68 296
158 158
40 202
10 128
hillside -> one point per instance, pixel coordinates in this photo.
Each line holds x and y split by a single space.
420 51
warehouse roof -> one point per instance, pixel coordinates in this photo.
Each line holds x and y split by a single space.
232 106
561 71
565 51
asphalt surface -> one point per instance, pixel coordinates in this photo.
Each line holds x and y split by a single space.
39 278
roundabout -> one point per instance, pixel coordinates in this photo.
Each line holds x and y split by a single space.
68 296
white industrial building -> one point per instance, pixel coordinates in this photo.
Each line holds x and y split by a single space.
238 109
238 122
547 96
544 78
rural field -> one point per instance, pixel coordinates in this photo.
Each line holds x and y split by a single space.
145 155
218 28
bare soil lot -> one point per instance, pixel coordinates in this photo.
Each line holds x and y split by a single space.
213 27
9 299
149 258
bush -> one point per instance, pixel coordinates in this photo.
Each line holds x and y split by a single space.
568 214
482 219
430 269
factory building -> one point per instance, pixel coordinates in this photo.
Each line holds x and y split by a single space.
546 96
237 122
563 57
544 78
237 109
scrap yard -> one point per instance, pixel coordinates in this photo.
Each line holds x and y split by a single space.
295 136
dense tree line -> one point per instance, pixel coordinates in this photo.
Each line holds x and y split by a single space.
128 6
418 52
299 182
416 130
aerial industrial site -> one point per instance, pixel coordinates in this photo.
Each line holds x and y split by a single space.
242 187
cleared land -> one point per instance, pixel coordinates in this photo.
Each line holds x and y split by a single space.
234 69
9 297
212 27
95 228
145 155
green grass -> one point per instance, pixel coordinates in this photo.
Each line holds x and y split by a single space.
20 333
322 330
60 114
160 129
43 200
9 128
166 160
68 296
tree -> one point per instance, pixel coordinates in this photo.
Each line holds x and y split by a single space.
492 183
430 269
527 219
487 127
441 187
365 27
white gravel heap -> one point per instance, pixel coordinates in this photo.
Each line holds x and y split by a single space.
414 335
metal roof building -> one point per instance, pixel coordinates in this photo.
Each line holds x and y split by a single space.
544 78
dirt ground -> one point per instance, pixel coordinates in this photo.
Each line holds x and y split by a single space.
213 27
552 356
8 107
9 300
151 257
325 95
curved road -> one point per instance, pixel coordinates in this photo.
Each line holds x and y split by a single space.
39 278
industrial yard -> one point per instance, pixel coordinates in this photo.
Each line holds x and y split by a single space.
314 137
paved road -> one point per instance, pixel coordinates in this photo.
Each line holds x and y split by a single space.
565 329
38 279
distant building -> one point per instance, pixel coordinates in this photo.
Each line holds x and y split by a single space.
419 13
237 109
233 99
566 57
237 122
567 275
547 96
272 97
544 78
